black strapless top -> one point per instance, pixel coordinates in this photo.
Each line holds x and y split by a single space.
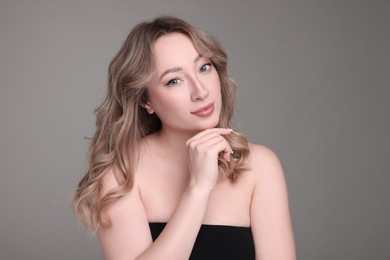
218 242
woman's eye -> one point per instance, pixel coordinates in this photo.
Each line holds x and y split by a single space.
205 67
173 82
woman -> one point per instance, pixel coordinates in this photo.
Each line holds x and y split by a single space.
167 178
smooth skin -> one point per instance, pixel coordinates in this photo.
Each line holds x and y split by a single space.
177 180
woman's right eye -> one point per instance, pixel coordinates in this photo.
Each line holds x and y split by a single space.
173 82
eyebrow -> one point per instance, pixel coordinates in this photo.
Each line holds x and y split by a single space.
197 58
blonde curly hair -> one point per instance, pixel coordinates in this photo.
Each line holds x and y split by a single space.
122 121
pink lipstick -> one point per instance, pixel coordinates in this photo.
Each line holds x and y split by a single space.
204 111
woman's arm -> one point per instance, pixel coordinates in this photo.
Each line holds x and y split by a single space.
129 237
270 216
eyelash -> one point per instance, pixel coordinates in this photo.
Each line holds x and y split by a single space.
207 64
171 82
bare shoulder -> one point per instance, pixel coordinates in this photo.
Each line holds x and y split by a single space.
129 225
109 181
110 176
262 157
111 184
265 166
270 216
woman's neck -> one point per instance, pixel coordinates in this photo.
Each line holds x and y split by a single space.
174 141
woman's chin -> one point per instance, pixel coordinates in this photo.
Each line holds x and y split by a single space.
209 126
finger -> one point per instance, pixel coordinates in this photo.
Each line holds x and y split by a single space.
219 146
206 137
207 141
220 131
227 151
207 134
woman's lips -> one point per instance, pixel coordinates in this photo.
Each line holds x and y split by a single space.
204 111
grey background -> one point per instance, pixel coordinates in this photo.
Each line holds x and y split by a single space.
314 87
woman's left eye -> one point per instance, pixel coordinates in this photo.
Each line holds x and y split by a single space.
205 67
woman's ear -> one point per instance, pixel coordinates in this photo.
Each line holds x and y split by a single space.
145 103
148 107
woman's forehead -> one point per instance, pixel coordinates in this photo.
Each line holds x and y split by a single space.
173 49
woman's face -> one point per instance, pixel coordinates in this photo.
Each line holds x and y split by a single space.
185 91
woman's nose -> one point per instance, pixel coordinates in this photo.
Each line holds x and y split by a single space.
198 90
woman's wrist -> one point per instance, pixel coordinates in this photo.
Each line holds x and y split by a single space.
200 191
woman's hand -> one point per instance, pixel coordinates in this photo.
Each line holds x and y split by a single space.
204 149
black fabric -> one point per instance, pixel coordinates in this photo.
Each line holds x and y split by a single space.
218 242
